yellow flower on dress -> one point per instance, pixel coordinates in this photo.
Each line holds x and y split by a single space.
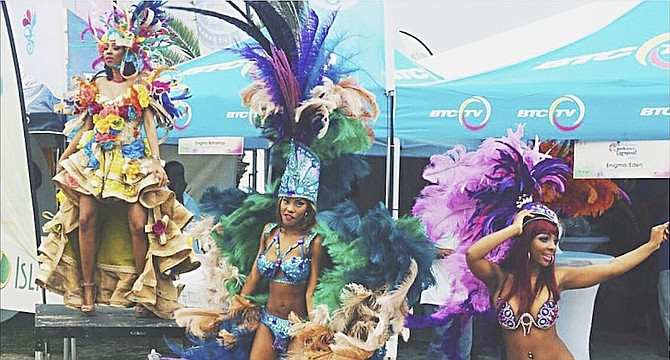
116 122
101 124
131 169
142 95
60 197
86 137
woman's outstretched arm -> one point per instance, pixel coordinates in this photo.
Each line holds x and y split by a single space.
483 269
582 277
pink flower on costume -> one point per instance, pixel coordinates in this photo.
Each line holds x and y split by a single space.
109 110
87 93
70 181
159 228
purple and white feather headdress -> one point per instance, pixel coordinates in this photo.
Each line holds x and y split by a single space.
481 193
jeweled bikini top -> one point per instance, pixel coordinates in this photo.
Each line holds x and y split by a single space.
295 270
546 316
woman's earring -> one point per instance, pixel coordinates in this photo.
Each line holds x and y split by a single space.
529 256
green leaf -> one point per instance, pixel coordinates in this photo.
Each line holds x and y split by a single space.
184 38
171 57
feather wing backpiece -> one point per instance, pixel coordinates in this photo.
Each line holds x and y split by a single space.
474 194
378 265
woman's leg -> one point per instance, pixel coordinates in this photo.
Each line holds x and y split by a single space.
261 349
88 218
137 218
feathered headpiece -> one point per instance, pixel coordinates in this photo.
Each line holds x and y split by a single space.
514 185
299 91
582 197
140 29
301 176
471 206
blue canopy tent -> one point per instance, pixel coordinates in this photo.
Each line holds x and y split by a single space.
613 84
216 80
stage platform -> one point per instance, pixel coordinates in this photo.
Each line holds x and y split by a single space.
58 322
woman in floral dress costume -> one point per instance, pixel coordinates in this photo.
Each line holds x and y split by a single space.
116 238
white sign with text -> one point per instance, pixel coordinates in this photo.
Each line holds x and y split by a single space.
622 159
211 146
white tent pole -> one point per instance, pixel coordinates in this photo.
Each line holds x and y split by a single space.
392 143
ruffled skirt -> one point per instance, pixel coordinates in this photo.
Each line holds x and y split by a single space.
116 280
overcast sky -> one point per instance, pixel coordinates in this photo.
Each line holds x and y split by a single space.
443 25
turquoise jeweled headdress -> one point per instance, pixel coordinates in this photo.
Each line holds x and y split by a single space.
301 176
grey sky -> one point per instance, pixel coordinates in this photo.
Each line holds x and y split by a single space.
443 25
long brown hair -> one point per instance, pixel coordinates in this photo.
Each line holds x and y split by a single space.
518 264
307 222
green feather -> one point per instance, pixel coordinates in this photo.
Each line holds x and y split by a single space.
344 136
346 258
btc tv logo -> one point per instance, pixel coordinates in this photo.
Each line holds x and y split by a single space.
566 113
655 52
473 113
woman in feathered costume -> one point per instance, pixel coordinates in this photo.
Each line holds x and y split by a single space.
133 258
525 288
374 265
508 242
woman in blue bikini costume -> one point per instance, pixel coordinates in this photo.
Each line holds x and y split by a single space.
289 255
525 288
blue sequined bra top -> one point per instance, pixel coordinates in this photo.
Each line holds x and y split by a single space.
546 316
295 270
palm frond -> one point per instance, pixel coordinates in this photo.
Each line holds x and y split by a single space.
171 57
248 27
184 38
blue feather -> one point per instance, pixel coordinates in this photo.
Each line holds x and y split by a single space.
391 246
250 28
217 202
307 34
343 218
349 168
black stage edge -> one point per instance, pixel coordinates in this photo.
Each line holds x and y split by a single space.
58 322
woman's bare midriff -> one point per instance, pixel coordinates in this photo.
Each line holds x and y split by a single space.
539 344
285 298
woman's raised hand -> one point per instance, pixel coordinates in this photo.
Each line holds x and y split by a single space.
519 218
659 233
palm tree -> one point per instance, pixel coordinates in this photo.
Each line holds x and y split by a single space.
185 44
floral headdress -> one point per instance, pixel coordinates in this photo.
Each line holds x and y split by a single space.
141 29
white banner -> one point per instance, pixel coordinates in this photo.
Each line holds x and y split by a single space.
18 254
622 159
211 146
38 27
